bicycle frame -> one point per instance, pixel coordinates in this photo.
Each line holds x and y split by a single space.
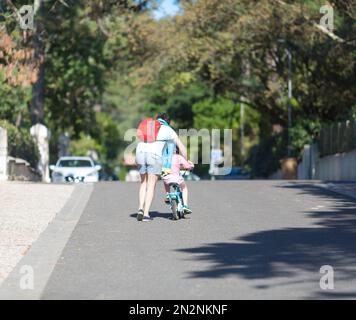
177 196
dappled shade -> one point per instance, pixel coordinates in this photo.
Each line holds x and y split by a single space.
285 252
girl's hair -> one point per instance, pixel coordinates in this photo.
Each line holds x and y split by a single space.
164 116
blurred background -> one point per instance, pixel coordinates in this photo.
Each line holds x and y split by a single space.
269 70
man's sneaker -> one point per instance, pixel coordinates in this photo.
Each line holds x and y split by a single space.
146 219
140 215
186 210
166 199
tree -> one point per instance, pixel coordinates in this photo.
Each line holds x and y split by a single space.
37 101
79 45
233 46
221 113
18 70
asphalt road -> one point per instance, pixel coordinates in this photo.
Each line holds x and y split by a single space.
244 240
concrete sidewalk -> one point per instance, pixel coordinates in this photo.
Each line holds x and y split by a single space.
25 212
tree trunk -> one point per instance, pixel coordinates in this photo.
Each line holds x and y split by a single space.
37 102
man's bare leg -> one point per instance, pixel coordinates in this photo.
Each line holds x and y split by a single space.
151 185
143 188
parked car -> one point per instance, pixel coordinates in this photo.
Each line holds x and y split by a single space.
237 173
75 169
104 176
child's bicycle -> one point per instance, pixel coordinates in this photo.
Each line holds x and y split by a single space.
176 201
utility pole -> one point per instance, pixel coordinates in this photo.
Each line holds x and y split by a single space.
242 130
290 94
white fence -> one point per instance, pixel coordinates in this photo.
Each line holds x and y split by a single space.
341 166
336 167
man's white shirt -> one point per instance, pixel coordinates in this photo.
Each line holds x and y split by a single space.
165 134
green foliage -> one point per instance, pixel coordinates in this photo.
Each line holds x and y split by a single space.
74 69
264 157
222 113
304 132
218 113
113 56
351 115
84 44
84 145
14 100
237 48
107 134
20 143
179 104
104 139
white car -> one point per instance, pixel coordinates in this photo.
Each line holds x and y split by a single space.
75 169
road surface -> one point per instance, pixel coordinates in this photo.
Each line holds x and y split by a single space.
244 240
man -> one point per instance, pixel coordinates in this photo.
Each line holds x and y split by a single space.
149 161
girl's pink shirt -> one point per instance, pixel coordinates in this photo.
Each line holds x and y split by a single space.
179 162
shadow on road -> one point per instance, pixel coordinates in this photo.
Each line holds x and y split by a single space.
286 252
156 214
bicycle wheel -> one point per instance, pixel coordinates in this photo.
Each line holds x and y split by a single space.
181 215
180 211
174 206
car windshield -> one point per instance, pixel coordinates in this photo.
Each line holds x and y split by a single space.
76 163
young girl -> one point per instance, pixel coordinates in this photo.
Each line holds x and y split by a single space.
174 176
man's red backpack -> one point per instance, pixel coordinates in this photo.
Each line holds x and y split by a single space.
147 130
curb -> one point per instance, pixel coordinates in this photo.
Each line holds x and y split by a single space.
334 188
